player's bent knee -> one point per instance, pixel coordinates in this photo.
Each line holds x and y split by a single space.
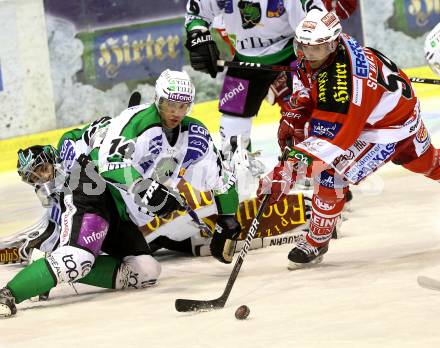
69 263
144 271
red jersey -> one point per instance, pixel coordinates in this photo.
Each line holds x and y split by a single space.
362 95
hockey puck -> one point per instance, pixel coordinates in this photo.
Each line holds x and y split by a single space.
242 312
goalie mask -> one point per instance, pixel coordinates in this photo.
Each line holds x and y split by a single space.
432 49
317 35
174 93
37 165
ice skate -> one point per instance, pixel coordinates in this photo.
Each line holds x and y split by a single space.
305 255
236 152
245 166
7 303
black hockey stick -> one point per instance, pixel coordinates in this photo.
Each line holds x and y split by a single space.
186 305
423 80
135 99
258 66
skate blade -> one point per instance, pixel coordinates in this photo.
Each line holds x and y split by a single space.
292 266
5 311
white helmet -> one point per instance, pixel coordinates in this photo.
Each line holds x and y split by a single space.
316 36
432 49
174 86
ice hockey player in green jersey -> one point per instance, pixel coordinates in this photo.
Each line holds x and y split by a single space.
110 181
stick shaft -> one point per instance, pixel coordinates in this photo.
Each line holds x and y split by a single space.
258 66
423 80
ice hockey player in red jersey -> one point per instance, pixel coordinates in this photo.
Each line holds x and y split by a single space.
261 32
363 114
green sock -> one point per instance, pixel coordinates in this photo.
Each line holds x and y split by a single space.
103 273
33 280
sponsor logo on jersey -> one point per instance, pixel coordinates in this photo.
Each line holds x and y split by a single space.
198 129
275 8
68 154
324 129
422 134
233 95
198 144
422 141
334 86
301 157
372 72
250 13
154 149
357 91
341 94
322 86
94 237
227 5
341 163
371 161
255 42
66 217
359 61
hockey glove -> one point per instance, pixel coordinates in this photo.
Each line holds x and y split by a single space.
295 110
154 198
278 182
203 52
279 89
292 124
343 8
224 241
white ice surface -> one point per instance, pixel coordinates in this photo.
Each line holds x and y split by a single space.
364 294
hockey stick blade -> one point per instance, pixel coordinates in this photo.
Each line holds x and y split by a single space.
428 283
135 99
186 305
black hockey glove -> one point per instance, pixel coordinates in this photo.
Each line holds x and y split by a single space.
203 52
155 198
225 237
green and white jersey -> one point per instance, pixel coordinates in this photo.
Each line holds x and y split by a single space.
260 29
80 141
136 146
71 145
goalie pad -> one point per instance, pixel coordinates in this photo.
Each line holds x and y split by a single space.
17 247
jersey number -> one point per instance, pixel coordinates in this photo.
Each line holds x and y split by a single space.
125 149
94 127
391 81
